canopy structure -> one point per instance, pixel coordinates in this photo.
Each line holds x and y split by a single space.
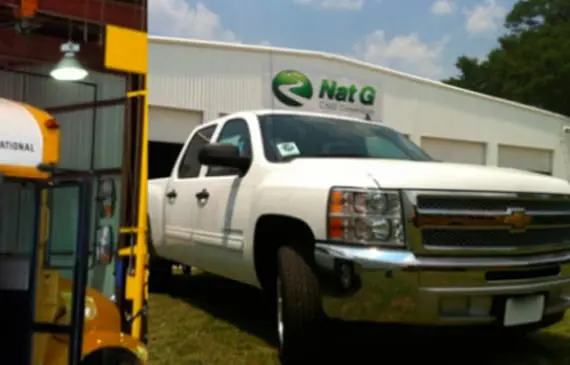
29 138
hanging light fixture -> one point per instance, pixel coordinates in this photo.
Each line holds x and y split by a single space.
69 68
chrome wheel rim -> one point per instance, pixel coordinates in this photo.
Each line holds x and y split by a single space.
280 326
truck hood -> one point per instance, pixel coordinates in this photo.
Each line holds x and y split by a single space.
428 175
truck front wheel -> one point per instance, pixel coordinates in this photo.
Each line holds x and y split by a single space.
300 315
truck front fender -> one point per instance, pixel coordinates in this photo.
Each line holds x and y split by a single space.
278 208
305 204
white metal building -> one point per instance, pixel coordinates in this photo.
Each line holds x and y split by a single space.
194 81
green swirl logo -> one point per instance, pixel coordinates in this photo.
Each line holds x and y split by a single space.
292 88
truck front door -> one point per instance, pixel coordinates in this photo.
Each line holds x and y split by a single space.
181 207
225 202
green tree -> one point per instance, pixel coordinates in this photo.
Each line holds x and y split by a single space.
531 65
533 14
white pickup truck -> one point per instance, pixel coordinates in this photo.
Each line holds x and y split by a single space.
346 218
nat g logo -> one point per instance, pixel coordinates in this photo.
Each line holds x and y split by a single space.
292 88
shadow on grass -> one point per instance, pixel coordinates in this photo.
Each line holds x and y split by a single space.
240 305
247 309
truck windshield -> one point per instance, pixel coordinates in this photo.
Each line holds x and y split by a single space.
288 136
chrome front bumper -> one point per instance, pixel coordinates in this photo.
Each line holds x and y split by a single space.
367 284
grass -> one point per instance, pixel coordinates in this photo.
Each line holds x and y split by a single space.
212 321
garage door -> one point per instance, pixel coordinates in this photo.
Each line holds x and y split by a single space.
449 150
172 125
531 159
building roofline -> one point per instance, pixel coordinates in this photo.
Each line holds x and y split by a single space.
350 62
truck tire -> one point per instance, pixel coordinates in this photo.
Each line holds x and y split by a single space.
300 313
160 274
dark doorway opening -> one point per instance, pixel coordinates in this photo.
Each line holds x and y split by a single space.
161 158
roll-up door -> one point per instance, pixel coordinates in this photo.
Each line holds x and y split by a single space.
524 158
168 130
450 150
172 125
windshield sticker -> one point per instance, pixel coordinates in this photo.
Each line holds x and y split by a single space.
235 140
288 149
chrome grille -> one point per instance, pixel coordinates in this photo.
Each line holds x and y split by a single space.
492 221
491 204
495 238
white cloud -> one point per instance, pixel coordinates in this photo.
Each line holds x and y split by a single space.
407 53
334 4
265 43
442 7
177 18
485 17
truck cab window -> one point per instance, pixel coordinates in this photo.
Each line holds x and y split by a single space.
189 166
317 136
235 132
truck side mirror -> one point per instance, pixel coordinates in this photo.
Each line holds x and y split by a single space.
224 154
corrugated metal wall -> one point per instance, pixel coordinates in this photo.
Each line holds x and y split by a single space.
16 218
91 139
205 79
172 125
76 126
12 85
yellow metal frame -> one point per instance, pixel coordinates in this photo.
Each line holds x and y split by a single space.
126 50
103 329
136 289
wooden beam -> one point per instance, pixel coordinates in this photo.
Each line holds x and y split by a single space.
41 49
100 12
82 106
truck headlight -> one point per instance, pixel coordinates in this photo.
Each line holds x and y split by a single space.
365 216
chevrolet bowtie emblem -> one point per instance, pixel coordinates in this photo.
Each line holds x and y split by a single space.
517 219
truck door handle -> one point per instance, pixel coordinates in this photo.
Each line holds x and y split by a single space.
203 195
172 194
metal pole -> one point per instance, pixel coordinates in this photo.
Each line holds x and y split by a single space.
141 250
33 278
80 272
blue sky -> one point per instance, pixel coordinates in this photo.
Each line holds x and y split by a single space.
422 37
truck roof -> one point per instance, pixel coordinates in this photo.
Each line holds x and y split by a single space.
260 112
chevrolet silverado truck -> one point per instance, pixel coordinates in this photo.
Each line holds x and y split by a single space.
345 218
